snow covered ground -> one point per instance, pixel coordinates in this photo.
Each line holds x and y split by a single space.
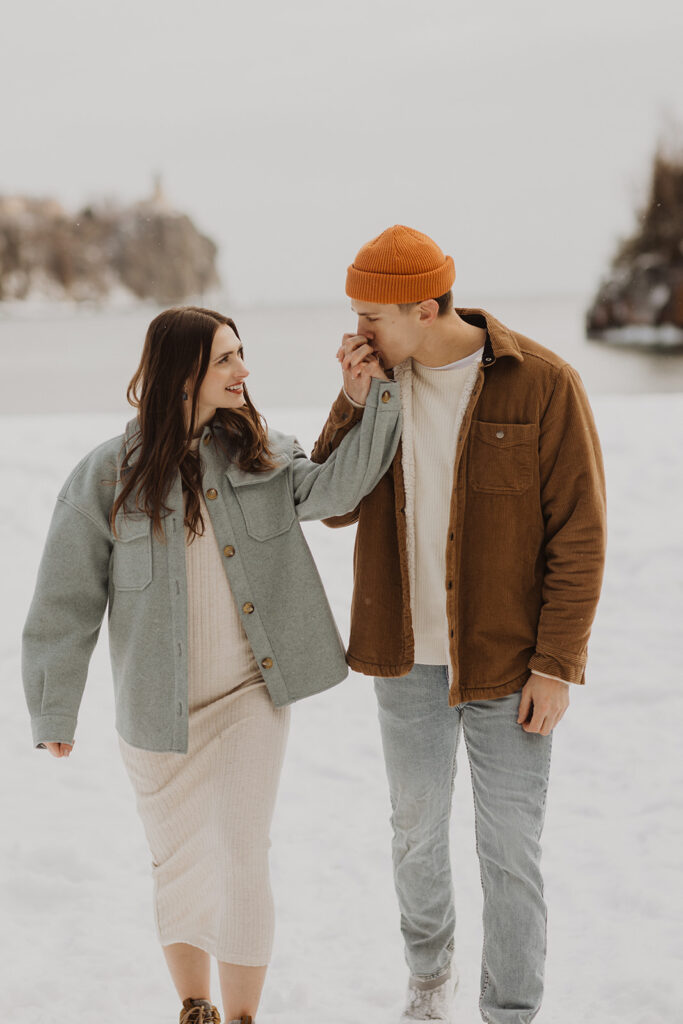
78 941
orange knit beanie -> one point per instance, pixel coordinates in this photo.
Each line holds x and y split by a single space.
400 265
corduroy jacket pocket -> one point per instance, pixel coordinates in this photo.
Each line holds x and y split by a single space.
266 501
132 554
502 457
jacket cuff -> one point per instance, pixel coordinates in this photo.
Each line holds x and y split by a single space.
382 393
546 676
557 666
343 412
53 729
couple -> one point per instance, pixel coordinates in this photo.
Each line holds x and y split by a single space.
478 565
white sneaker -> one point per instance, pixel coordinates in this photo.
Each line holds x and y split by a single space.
432 1004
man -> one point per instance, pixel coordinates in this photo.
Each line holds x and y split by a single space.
478 565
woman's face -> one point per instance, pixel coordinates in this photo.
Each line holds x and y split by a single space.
222 386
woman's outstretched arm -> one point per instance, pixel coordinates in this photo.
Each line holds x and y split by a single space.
356 466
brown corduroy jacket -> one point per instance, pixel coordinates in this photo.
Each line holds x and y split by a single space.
526 543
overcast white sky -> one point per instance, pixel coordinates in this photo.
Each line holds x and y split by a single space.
517 134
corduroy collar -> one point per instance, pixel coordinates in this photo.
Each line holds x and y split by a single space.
502 340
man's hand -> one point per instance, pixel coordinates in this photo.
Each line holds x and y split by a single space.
359 364
543 703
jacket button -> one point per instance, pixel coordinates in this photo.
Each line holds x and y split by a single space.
247 608
212 493
500 433
228 551
267 663
386 396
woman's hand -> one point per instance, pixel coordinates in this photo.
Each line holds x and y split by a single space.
59 749
360 364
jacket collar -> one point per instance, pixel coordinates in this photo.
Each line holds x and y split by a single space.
500 340
129 435
131 428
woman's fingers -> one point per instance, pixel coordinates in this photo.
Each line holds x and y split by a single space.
352 359
351 345
351 340
59 749
371 367
356 355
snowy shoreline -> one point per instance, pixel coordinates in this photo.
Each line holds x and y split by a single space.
76 883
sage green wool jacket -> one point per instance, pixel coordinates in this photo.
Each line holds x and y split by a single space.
141 579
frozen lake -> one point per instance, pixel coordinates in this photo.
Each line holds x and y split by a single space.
75 880
63 360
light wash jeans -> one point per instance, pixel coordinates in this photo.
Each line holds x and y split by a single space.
509 769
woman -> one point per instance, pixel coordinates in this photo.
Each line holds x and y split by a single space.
187 526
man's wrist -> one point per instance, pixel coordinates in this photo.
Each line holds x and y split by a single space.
354 403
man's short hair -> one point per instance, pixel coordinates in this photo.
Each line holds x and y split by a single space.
445 303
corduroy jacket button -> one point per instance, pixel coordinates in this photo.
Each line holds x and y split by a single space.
386 396
500 433
228 551
247 608
212 493
267 663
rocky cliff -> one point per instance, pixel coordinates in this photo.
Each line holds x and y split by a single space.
149 250
641 300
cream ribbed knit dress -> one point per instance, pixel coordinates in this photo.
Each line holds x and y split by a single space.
207 813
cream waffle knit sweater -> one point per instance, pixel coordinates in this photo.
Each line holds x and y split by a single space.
437 411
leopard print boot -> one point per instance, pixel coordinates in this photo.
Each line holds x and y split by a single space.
199 1011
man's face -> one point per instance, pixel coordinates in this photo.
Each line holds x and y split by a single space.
390 331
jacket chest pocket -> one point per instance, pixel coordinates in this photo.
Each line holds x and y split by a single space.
266 501
132 555
502 457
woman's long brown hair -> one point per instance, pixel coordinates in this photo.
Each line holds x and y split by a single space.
177 349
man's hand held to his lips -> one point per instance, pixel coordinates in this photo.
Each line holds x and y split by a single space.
359 364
